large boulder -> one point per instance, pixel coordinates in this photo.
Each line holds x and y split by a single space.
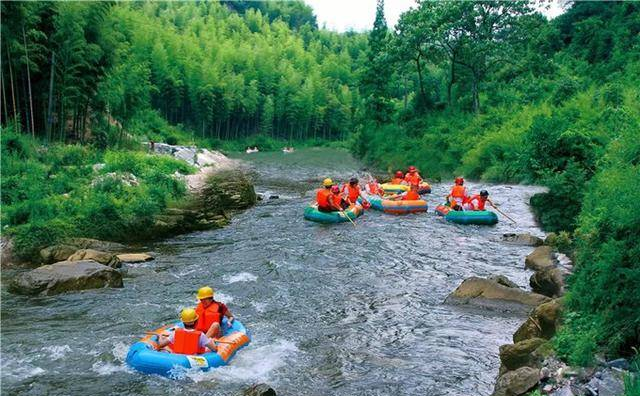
134 257
522 239
542 322
95 244
521 354
55 253
548 281
516 382
66 276
259 390
227 190
489 294
108 259
542 257
503 280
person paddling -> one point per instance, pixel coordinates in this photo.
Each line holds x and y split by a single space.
458 195
412 194
412 176
210 313
398 179
373 187
478 201
323 196
352 192
337 200
187 340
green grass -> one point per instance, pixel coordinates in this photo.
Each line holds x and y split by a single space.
53 193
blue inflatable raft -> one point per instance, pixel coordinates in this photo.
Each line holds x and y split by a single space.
144 356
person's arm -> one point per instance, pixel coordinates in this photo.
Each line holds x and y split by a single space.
164 340
226 312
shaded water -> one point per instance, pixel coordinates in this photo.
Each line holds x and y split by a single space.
332 309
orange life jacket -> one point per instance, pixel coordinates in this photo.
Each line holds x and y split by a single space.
337 200
186 342
374 188
396 180
412 178
411 196
352 192
480 202
208 316
459 192
323 197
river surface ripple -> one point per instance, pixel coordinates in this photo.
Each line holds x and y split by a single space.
333 310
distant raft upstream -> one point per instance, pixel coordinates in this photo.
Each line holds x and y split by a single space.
475 217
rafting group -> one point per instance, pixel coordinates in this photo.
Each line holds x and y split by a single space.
206 336
401 195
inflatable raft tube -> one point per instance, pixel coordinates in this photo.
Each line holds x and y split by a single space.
389 188
398 207
476 217
312 213
143 356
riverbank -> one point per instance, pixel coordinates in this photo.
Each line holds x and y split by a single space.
53 195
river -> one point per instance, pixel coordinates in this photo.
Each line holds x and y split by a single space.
333 310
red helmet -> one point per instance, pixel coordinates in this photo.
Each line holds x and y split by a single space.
335 188
459 181
399 174
412 169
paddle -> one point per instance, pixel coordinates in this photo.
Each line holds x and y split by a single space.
504 214
348 218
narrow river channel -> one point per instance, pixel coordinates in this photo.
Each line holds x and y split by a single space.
333 310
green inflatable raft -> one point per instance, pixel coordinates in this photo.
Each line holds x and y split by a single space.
312 213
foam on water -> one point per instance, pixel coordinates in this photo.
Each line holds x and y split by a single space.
106 368
225 298
241 277
57 352
251 364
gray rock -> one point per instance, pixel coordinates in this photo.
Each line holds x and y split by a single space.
187 154
564 391
610 384
260 390
503 280
549 282
88 243
541 257
522 239
516 382
489 294
541 323
619 363
55 253
64 277
521 354
108 259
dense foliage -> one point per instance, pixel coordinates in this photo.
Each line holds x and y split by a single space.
53 193
219 70
497 92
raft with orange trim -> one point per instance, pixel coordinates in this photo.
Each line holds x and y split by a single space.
145 357
388 188
476 217
398 207
312 213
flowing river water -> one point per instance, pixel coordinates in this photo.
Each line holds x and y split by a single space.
333 310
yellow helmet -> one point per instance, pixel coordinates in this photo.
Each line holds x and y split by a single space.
327 182
188 315
205 292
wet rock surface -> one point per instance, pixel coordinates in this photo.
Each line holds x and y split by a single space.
542 257
516 382
108 259
66 276
491 295
259 390
135 257
522 239
541 323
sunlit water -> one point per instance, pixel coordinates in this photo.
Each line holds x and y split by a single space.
333 310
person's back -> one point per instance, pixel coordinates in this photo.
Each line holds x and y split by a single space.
411 196
322 197
208 315
187 341
458 192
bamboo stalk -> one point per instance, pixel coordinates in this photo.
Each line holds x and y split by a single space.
24 37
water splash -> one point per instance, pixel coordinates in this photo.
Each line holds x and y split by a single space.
241 277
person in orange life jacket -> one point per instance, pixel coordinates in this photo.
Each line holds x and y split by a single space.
323 196
398 179
210 313
373 187
336 200
412 194
458 194
352 192
412 176
478 201
187 340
